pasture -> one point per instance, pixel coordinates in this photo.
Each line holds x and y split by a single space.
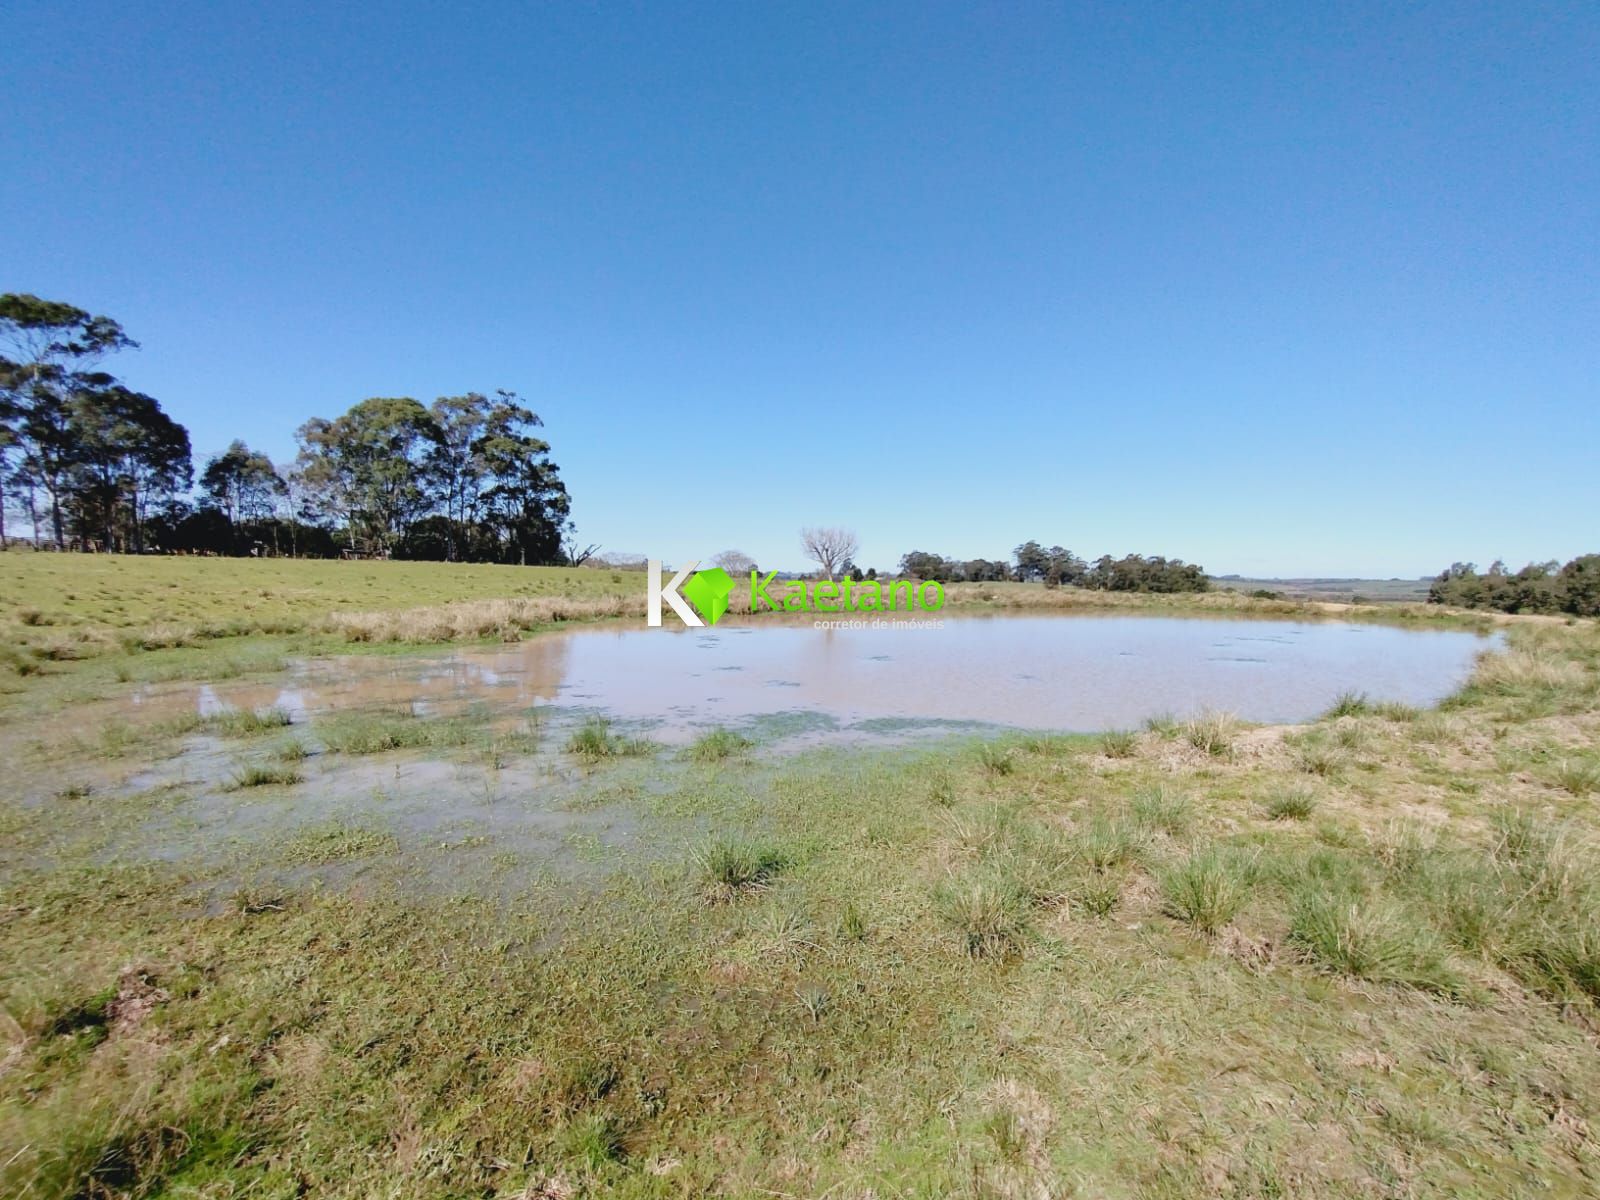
369 950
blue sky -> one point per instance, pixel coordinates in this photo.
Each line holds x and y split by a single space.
1275 288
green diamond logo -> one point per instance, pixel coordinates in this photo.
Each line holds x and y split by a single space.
708 591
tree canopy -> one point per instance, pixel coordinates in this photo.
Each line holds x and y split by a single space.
99 456
1546 587
1056 566
96 464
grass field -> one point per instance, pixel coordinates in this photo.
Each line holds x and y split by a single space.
1358 958
1369 591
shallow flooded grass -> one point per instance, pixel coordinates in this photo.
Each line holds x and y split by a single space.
248 723
595 741
716 745
253 775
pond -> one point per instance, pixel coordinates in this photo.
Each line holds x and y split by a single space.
501 788
1071 673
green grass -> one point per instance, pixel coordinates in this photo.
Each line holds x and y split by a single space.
379 732
248 723
1349 704
925 973
988 915
716 745
731 867
595 741
1579 776
1372 940
1289 804
997 759
1119 743
254 775
147 603
1205 890
335 842
1160 809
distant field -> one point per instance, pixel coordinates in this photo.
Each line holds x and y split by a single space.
1372 591
95 599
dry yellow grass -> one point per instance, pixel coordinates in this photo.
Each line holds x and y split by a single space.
473 620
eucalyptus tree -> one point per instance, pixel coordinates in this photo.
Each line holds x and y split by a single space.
496 490
127 456
525 502
370 467
100 452
47 350
242 483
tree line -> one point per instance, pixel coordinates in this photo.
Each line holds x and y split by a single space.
90 463
1055 566
1547 587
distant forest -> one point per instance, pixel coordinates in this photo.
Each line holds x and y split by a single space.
88 463
1538 588
1057 567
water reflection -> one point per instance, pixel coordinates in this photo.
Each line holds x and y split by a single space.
1052 672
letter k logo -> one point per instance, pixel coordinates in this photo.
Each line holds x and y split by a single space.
670 594
708 590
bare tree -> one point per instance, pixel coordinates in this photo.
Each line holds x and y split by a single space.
829 548
575 555
735 562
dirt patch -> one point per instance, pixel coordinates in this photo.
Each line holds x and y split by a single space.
137 997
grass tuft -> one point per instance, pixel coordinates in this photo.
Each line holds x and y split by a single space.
1579 776
1289 804
989 915
1158 809
594 741
717 745
730 867
254 775
1316 757
381 732
996 759
244 722
1107 843
1349 704
1119 743
1393 710
1373 940
1205 890
1164 725
1212 733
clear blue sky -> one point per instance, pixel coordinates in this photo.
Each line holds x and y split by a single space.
1277 288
